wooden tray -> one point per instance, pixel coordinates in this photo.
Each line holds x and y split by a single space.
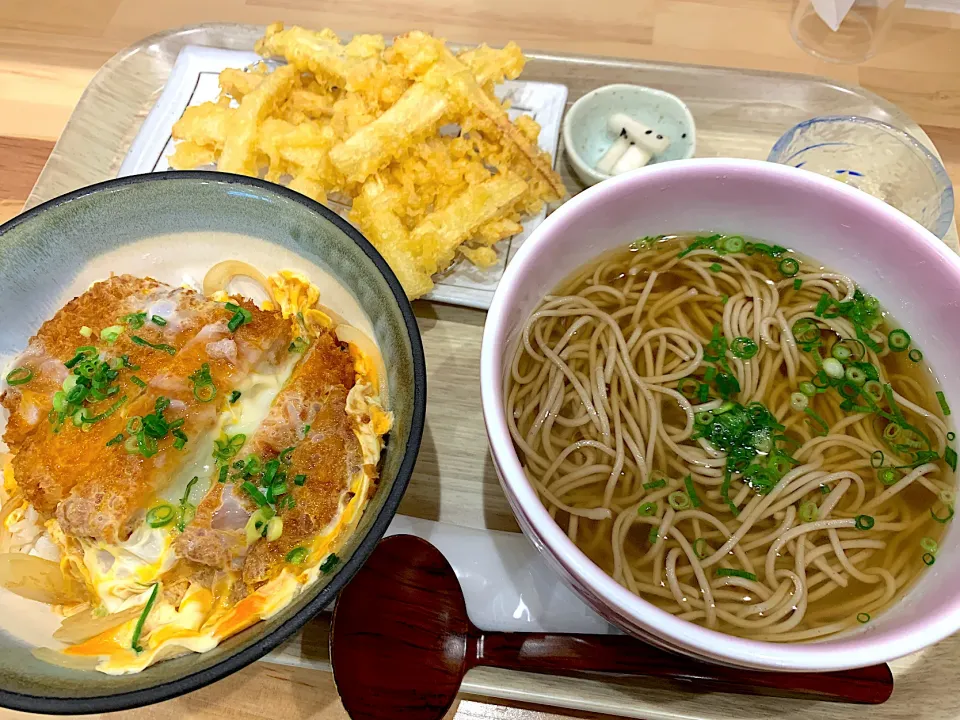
738 113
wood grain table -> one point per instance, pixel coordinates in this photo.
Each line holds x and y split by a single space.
50 49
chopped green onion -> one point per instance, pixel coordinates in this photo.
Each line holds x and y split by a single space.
732 572
888 476
789 266
112 333
874 390
285 454
115 440
942 519
157 320
703 418
234 396
329 564
724 298
19 376
168 349
898 340
833 368
951 436
864 522
716 267
947 497
876 459
297 555
863 618
819 420
86 331
179 439
286 503
805 331
733 244
138 628
808 512
654 484
743 347
691 491
824 489
808 388
942 399
274 529
647 509
799 401
950 457
137 381
841 352
222 478
254 492
703 393
688 387
226 449
797 283
256 526
299 480
700 548
823 304
204 388
160 515
930 545
856 376
928 559
915 355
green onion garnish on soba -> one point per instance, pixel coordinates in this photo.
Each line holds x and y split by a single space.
864 522
928 558
950 457
807 388
297 555
833 368
805 331
691 491
797 283
733 572
929 545
700 548
942 399
951 436
898 340
716 267
19 376
888 476
138 629
799 401
744 348
655 484
823 304
688 387
808 512
678 500
863 618
647 509
160 515
855 375
654 535
789 267
203 388
168 349
876 459
915 355
825 429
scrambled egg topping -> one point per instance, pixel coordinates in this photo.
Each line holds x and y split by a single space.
122 576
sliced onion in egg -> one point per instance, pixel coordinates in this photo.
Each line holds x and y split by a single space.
72 662
85 625
37 579
220 275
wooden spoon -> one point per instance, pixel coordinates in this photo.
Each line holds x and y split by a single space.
401 643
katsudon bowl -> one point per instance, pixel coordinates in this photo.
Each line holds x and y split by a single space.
174 227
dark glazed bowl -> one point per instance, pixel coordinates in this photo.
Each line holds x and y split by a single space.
44 251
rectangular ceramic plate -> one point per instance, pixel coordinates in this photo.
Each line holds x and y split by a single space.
738 113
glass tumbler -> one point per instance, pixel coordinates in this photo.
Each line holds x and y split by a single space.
876 158
858 36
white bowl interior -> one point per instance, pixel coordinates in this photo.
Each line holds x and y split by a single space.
913 275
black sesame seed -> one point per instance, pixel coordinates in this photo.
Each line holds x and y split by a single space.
648 132
659 137
623 132
684 135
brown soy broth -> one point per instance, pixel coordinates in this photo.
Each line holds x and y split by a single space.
683 300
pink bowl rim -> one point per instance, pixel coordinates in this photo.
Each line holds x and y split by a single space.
845 652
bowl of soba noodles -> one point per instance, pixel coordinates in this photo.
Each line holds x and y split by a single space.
717 394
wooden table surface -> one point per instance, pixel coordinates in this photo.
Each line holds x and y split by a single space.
50 49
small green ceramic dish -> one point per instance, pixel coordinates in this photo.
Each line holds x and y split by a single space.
52 252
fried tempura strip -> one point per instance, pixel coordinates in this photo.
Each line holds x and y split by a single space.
444 230
318 52
418 111
240 146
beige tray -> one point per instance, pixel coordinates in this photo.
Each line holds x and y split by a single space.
738 113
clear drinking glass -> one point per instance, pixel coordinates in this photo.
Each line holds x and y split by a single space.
859 35
876 158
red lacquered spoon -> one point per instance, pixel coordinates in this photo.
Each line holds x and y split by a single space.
401 643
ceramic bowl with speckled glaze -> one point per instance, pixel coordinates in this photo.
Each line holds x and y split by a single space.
586 137
173 226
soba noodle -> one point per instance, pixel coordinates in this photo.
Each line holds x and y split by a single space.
735 434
